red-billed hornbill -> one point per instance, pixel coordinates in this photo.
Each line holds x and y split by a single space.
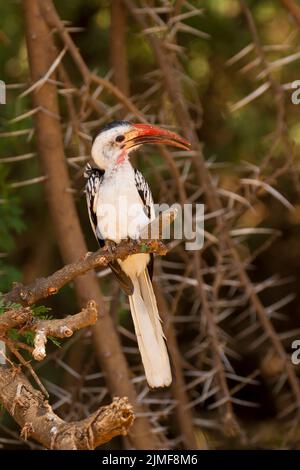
113 182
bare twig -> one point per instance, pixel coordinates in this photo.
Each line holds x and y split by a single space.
13 318
61 328
44 287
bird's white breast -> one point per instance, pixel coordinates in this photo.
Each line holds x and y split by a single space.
120 212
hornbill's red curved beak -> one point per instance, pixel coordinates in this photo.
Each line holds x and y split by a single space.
148 134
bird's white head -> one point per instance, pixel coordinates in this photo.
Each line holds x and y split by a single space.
113 144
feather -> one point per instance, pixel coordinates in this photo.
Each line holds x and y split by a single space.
124 280
149 332
150 266
144 193
95 178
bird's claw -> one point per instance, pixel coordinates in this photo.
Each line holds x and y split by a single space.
110 246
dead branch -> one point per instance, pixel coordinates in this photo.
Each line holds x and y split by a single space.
61 328
12 347
65 327
13 318
44 287
37 420
24 320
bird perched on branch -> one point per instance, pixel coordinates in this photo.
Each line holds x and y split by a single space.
120 204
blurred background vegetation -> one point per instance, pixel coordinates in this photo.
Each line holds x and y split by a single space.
230 138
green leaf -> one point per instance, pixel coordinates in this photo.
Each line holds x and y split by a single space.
54 341
41 312
4 306
144 248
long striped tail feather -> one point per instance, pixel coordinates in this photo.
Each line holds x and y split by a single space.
149 332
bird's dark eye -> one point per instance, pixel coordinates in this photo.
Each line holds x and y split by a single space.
120 138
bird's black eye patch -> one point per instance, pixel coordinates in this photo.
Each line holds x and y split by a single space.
120 138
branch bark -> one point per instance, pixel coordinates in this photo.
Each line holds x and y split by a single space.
61 328
24 317
44 287
12 318
37 420
118 56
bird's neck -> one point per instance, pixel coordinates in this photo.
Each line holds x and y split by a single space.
124 166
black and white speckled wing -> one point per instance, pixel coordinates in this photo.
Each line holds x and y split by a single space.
147 199
94 179
145 194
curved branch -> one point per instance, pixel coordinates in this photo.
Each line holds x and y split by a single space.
61 328
13 318
24 320
44 287
37 420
